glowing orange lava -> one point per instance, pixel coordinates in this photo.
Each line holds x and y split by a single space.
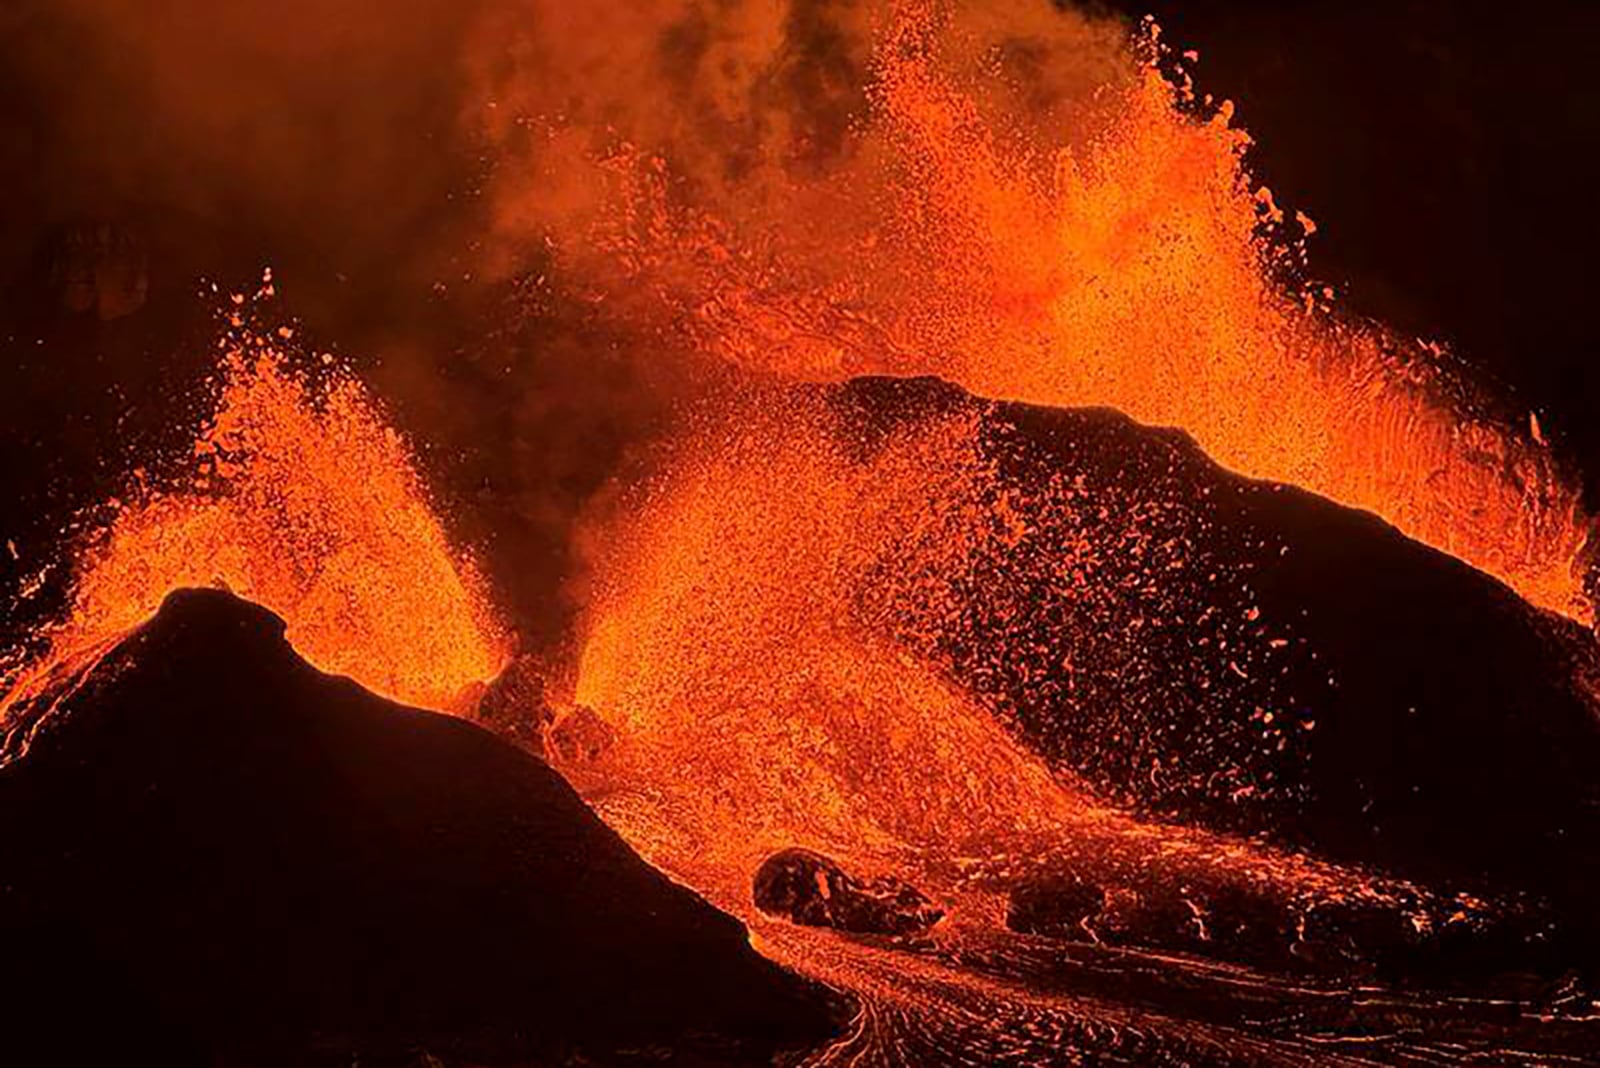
1135 275
747 648
1128 261
307 502
753 636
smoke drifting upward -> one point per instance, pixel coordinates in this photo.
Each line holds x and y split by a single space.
759 112
283 118
347 145
177 142
152 146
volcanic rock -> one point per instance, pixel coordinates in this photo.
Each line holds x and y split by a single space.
1222 922
1342 933
1063 907
1345 937
1066 907
814 891
581 736
216 854
513 705
1250 658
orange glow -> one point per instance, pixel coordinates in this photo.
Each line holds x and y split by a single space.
1135 276
1126 259
724 649
307 502
767 624
753 646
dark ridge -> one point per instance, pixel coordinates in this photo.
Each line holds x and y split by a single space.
1425 719
215 854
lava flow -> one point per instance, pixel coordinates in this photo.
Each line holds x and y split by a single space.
759 648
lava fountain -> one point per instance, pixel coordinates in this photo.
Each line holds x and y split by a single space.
1108 248
760 643
300 496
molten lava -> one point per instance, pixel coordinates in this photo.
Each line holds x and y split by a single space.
1119 255
766 636
759 645
306 501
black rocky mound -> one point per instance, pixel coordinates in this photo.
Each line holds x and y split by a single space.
1345 938
810 889
215 854
1254 659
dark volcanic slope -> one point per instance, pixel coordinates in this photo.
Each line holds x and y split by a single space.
1256 659
215 854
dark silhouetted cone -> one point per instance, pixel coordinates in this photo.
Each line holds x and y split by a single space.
1254 659
812 890
215 854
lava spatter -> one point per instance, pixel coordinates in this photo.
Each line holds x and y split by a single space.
299 496
1115 253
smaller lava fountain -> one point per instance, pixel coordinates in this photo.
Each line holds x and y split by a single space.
301 497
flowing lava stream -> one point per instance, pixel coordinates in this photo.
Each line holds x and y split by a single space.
752 644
